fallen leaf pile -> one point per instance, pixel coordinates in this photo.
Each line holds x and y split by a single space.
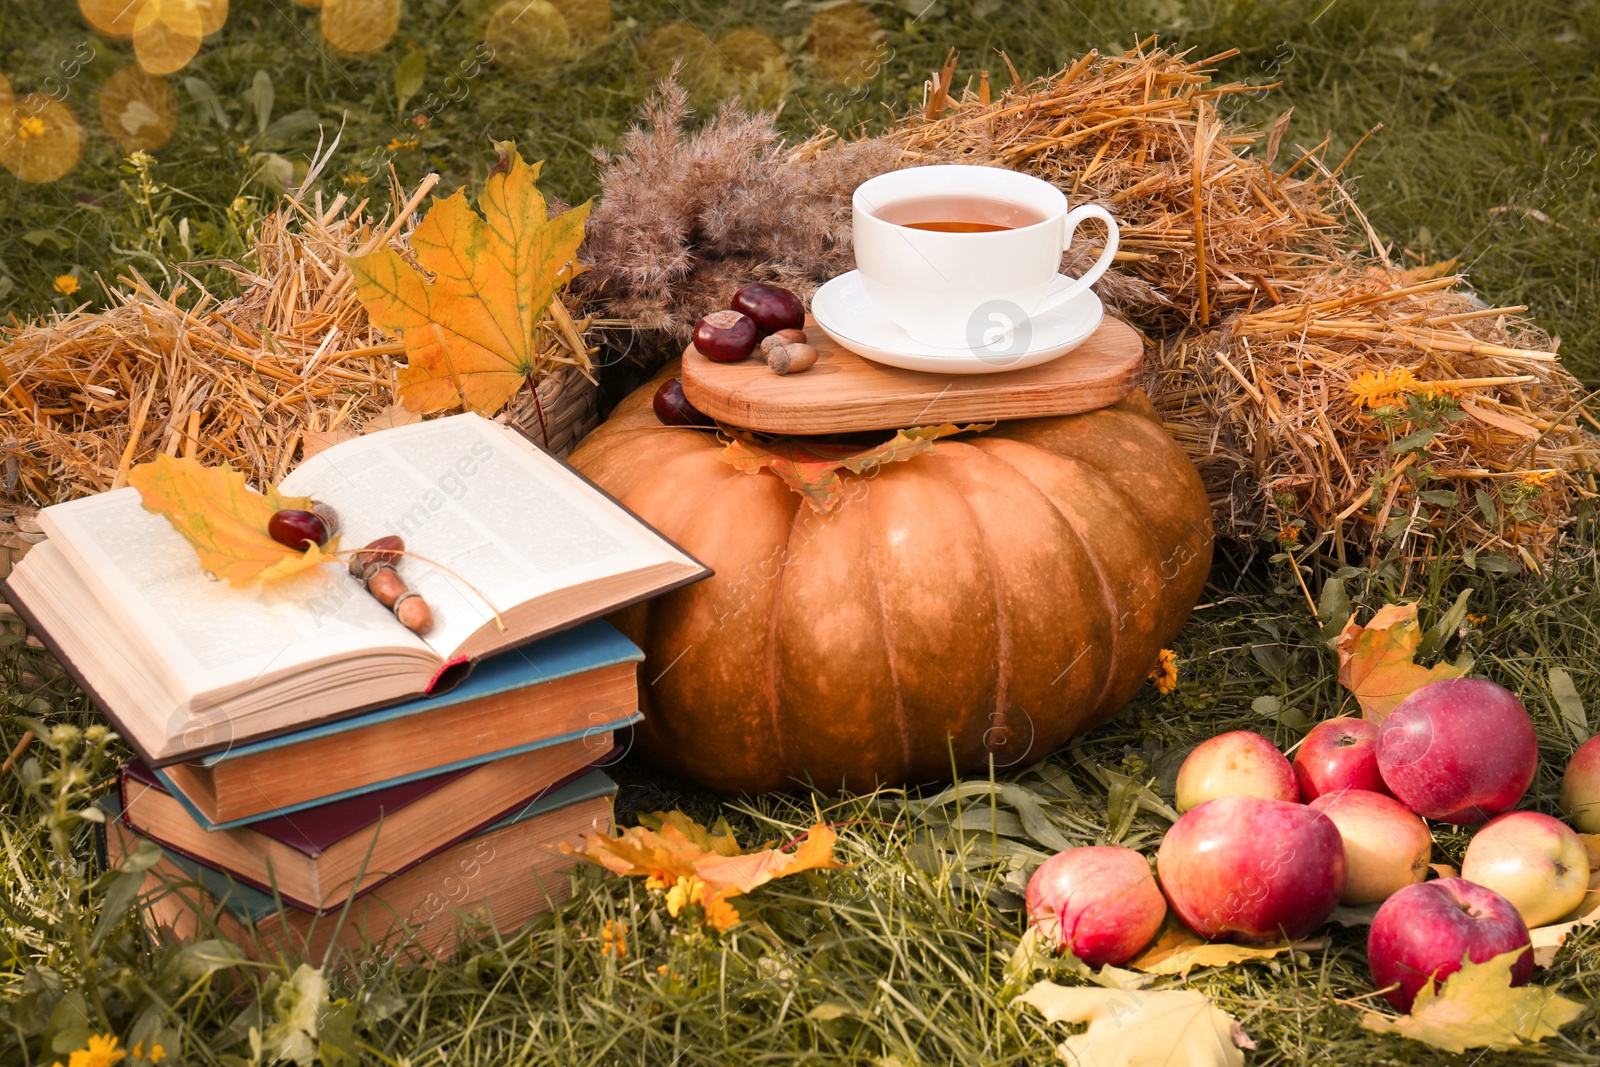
469 308
225 520
1377 661
696 866
1138 1028
1478 1008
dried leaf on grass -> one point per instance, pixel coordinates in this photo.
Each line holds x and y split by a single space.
814 469
1178 951
1138 1028
470 308
701 866
225 520
1376 664
1478 1008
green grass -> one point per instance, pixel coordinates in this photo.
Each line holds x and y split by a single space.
1488 153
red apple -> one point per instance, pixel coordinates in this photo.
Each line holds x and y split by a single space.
1532 860
1458 751
1238 763
1100 903
1580 787
1386 846
1425 930
1339 754
1242 868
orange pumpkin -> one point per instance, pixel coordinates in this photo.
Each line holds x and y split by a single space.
985 600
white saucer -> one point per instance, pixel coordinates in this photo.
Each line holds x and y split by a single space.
846 314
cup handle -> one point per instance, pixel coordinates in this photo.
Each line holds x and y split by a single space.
1092 275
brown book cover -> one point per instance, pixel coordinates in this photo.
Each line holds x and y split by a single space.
318 858
498 879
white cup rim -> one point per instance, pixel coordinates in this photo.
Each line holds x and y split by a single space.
1042 190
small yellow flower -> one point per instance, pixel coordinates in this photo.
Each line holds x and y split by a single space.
65 284
689 890
1537 478
1165 673
410 144
658 880
157 1053
720 914
613 941
102 1052
31 126
1374 389
1439 390
1477 620
355 178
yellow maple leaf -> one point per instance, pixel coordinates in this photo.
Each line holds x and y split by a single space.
225 520
1178 951
674 858
1376 660
1139 1028
470 328
1478 1008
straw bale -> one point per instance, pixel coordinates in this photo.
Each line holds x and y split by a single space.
242 380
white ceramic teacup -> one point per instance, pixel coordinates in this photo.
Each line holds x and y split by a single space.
950 290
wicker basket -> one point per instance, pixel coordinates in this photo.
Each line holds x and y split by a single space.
559 412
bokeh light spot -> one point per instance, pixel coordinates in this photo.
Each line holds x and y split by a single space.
40 139
358 26
757 70
845 43
139 111
166 35
701 70
112 17
527 35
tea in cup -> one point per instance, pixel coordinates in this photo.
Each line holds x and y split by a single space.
961 256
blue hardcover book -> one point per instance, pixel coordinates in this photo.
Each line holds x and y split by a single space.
565 695
507 872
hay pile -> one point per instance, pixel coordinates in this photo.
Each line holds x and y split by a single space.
242 380
1272 311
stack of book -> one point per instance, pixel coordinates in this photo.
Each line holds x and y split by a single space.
315 775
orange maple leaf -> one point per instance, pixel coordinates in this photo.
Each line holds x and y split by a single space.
673 858
224 519
1376 660
469 316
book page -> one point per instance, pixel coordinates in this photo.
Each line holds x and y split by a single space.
510 522
204 635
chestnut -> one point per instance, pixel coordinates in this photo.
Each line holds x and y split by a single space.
674 409
726 336
772 308
294 528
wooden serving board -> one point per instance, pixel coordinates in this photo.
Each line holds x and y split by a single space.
843 392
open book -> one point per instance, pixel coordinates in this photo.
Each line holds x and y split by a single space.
185 665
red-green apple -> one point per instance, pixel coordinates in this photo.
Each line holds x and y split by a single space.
1237 763
1386 846
1339 754
1100 903
1532 860
1580 787
1242 868
1458 751
1425 930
